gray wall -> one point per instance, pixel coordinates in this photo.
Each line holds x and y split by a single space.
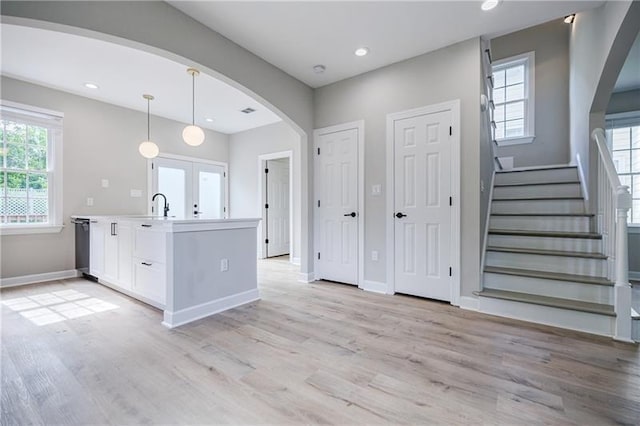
157 27
245 147
446 74
599 43
624 102
100 141
550 41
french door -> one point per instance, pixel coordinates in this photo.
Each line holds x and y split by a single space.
192 188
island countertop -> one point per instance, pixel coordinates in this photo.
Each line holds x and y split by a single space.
177 224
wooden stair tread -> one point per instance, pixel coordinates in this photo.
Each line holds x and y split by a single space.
553 234
537 169
537 183
556 276
561 253
546 214
554 302
551 197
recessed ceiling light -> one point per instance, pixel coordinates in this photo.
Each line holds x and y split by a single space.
361 51
210 120
570 18
319 69
489 4
91 85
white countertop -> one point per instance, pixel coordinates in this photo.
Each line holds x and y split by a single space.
173 221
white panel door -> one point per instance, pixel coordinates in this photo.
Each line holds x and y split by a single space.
277 213
208 191
338 210
422 164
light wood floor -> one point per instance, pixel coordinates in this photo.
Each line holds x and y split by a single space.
307 353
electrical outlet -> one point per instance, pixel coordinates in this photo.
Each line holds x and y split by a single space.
105 183
136 193
224 265
89 201
376 190
374 255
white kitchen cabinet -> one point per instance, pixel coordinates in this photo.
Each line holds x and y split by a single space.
111 257
150 242
150 280
125 254
97 244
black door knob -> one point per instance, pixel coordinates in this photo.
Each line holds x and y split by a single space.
400 215
352 214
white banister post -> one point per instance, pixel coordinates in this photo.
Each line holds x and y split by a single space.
622 288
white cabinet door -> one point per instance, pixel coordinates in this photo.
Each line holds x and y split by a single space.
125 254
150 280
338 210
149 243
96 239
111 257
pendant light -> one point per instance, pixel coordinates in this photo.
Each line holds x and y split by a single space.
193 135
147 148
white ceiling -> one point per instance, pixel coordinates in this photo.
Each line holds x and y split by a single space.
64 61
295 36
629 78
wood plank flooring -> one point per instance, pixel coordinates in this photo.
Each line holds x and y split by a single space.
319 353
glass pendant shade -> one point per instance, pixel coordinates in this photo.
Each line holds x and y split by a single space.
193 135
148 149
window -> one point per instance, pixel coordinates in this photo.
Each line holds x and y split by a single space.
30 175
625 150
513 97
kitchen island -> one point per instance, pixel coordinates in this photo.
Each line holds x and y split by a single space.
189 268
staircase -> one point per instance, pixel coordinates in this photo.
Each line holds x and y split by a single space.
544 260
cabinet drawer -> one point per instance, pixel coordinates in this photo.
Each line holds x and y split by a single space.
150 280
150 244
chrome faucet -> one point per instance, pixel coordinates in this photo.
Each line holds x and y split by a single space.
166 205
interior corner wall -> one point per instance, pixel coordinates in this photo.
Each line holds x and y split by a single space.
592 43
244 150
439 76
550 41
100 141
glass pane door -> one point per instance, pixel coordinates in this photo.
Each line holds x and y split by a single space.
209 191
173 178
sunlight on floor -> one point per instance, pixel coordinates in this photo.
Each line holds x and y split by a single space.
56 306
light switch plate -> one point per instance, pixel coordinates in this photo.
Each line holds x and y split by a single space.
89 201
374 255
224 265
136 193
376 190
105 183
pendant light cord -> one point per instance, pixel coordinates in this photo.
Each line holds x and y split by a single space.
148 121
193 99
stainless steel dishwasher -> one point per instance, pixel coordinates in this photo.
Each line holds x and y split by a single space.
83 247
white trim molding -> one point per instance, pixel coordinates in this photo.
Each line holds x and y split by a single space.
454 107
375 287
306 277
469 303
359 126
184 316
37 278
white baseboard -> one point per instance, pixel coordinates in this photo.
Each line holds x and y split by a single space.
306 277
184 316
375 287
295 261
37 278
469 303
634 275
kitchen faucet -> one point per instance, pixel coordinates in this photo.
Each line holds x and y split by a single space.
166 205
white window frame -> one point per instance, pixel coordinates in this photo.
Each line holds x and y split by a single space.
52 120
528 59
616 121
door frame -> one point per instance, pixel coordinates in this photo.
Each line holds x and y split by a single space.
262 233
163 155
454 107
359 126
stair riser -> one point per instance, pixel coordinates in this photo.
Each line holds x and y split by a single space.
564 318
537 223
543 287
559 264
582 245
538 206
557 190
538 176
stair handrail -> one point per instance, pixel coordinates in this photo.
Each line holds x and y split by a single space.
614 203
487 105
